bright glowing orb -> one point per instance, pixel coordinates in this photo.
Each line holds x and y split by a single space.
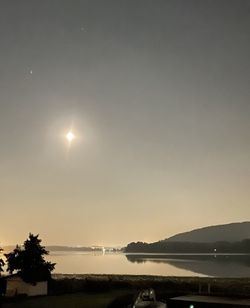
70 136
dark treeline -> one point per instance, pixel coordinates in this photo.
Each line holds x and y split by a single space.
69 248
189 247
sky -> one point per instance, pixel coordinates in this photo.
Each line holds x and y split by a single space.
157 94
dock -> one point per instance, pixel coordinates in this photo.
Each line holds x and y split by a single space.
197 301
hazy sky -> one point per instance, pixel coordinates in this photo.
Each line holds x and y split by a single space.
157 93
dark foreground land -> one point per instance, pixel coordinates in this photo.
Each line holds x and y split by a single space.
76 300
120 290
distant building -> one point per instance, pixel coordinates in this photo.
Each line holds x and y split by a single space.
16 286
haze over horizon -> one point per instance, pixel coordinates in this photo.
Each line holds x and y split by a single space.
157 95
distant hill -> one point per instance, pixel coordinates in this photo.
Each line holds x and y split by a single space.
9 248
233 232
70 248
58 248
229 238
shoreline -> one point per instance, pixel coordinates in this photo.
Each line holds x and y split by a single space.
112 291
171 285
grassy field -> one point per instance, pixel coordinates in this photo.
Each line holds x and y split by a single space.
77 300
112 291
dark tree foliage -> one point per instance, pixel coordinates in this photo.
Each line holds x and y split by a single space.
14 259
1 263
29 261
190 247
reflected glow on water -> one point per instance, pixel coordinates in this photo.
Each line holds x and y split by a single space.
117 263
202 265
166 265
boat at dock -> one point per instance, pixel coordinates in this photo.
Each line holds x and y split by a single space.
147 299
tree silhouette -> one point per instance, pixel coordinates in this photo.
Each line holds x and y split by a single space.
1 263
29 261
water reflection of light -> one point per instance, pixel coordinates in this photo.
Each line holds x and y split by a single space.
111 263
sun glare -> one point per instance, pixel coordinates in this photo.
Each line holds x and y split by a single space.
70 136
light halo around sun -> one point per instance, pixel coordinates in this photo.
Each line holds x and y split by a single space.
70 136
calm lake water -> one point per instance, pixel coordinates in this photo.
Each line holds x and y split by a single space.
219 265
